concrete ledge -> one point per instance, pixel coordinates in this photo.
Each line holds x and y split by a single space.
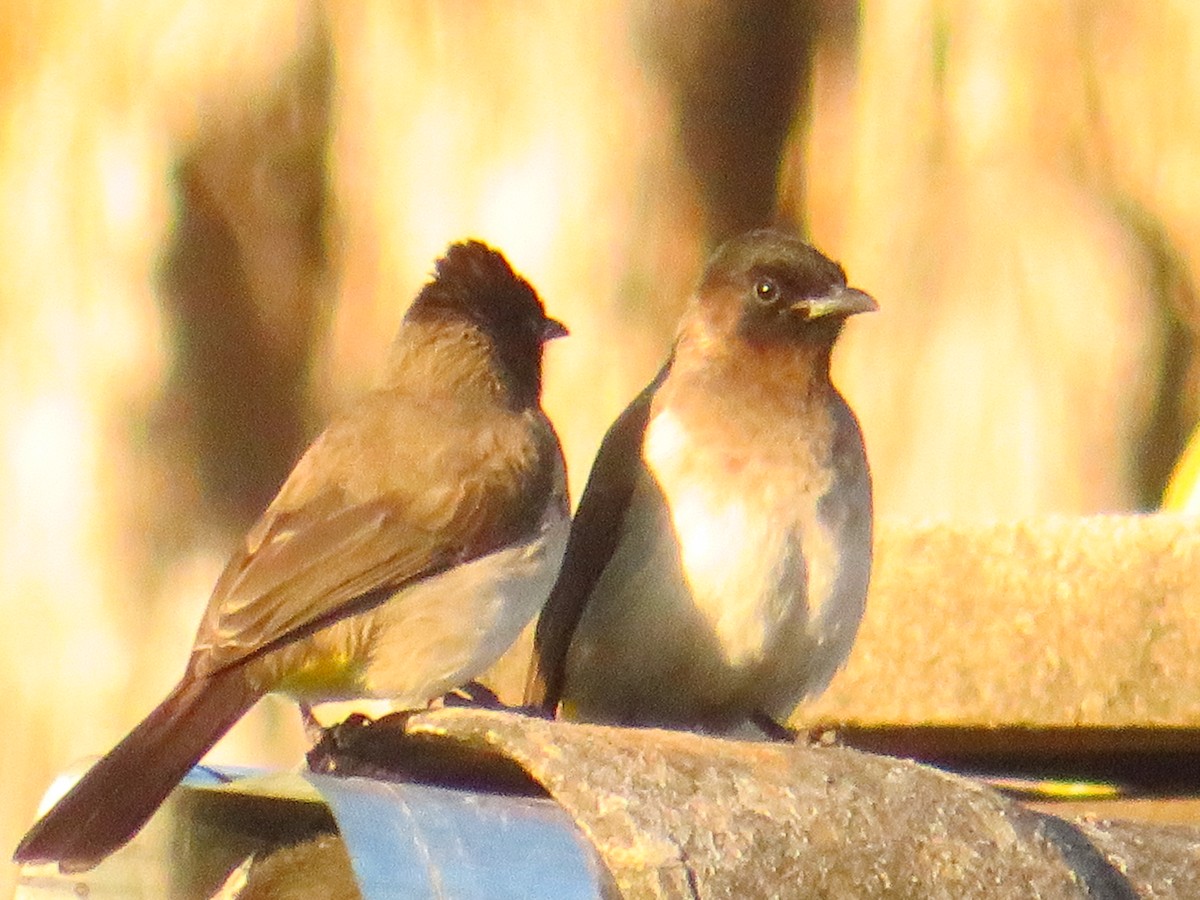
453 802
673 814
1040 624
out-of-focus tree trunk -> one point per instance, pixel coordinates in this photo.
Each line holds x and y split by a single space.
161 237
969 167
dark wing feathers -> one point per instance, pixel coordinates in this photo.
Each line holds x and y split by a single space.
333 555
594 535
312 575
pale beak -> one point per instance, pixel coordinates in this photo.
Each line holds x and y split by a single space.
842 301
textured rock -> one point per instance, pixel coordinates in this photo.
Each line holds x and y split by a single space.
673 814
1046 622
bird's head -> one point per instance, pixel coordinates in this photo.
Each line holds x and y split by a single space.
474 285
768 287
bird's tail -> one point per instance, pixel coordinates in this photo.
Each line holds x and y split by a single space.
111 803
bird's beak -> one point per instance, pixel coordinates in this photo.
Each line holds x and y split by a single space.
552 328
843 301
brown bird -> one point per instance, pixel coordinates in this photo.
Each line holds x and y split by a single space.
717 567
406 550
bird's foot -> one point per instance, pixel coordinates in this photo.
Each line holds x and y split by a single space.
334 744
824 736
818 736
474 695
773 730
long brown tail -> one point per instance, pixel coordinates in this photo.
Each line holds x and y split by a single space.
111 803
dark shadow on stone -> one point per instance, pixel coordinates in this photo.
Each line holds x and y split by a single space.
1089 864
383 749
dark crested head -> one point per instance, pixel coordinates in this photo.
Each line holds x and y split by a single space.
783 287
474 284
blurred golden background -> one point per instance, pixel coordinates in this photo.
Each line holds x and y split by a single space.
215 214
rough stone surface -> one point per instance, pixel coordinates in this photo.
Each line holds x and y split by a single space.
673 814
1159 861
1046 622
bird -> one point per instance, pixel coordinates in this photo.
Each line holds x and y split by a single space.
410 545
717 566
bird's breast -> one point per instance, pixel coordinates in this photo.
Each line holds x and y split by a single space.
740 524
448 629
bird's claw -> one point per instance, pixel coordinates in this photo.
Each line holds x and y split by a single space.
336 742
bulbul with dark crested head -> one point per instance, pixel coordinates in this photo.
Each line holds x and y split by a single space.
718 563
407 549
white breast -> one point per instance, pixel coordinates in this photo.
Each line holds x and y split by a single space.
707 610
449 629
740 560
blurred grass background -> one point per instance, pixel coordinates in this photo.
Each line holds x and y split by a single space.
214 216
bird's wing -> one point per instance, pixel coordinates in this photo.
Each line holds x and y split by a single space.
595 533
309 563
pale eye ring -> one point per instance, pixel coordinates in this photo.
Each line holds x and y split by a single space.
766 290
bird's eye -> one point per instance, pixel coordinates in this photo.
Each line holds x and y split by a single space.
766 290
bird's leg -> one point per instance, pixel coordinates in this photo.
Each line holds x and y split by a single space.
313 729
773 730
